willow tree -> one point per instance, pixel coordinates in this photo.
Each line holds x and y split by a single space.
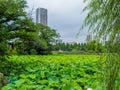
103 19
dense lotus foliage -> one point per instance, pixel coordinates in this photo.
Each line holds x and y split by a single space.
51 72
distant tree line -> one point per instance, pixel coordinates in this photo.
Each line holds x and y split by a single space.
92 46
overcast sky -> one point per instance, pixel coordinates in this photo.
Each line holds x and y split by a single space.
63 15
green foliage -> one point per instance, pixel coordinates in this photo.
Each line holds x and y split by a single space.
15 24
33 52
69 87
41 41
51 72
4 49
103 19
48 35
89 47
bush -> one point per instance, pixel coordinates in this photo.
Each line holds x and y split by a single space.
33 52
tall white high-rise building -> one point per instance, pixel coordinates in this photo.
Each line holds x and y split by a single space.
41 16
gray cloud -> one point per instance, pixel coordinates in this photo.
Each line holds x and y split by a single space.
63 15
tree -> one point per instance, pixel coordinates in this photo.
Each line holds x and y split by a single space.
16 24
104 19
12 14
47 35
